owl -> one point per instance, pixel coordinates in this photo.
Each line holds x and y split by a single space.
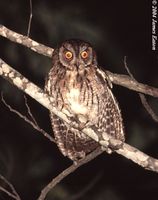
81 90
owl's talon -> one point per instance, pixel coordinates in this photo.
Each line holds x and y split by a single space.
107 149
75 162
76 123
73 122
115 144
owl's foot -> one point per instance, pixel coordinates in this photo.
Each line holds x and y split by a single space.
107 149
111 145
76 156
77 123
115 144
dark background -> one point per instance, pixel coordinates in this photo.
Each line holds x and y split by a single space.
115 28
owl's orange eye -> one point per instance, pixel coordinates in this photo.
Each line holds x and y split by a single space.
84 54
68 55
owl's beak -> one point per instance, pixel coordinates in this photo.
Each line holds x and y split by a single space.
77 63
79 66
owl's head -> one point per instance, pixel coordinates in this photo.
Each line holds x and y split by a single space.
76 55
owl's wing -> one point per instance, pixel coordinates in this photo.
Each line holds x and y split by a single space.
110 119
70 141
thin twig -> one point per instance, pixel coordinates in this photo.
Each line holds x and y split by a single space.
29 111
148 108
7 192
142 96
68 171
127 69
35 126
15 194
30 20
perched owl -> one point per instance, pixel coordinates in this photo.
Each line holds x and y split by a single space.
81 91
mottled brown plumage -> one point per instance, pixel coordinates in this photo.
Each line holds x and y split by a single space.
81 90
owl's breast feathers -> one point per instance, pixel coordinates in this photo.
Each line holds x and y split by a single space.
80 95
87 96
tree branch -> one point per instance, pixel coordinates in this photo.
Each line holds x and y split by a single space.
25 41
142 96
68 171
123 80
12 194
30 20
32 122
38 94
128 82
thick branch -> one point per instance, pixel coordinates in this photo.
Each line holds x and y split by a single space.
128 82
123 80
38 94
25 41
